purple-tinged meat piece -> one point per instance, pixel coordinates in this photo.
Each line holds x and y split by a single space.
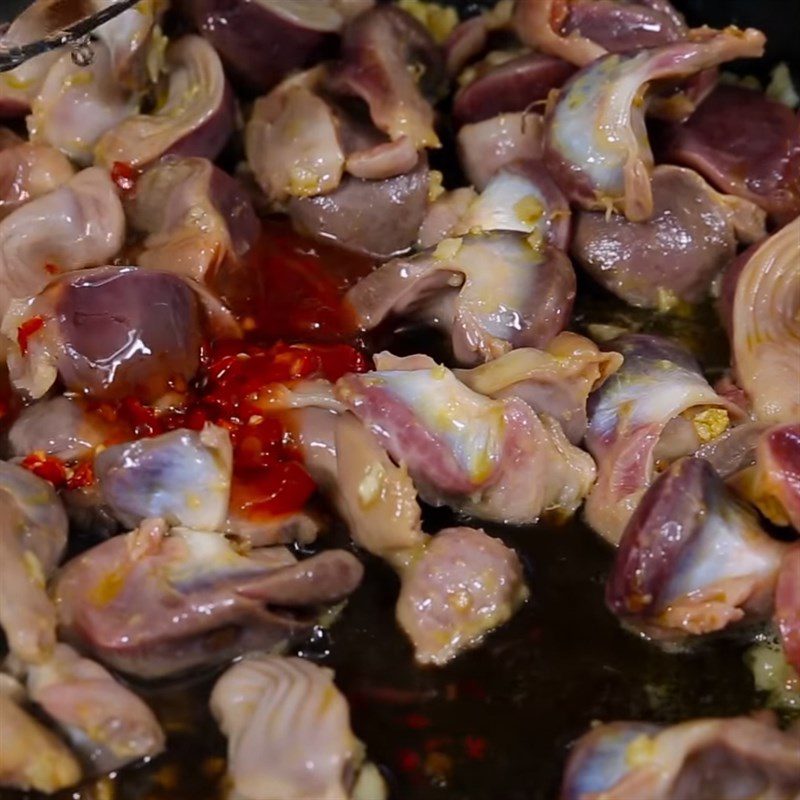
491 292
515 85
656 408
112 332
787 605
581 31
391 62
76 105
523 197
28 171
556 381
599 759
745 144
693 559
464 584
619 27
674 256
196 218
263 41
289 734
536 22
494 459
196 118
31 757
520 197
760 307
385 159
182 476
81 224
596 143
465 43
154 604
456 586
58 426
723 759
772 483
33 537
470 38
376 218
486 147
103 720
735 449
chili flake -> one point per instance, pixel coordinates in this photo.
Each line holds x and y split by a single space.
124 175
417 722
408 760
26 330
49 468
475 747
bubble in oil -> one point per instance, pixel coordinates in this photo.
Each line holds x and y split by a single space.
83 52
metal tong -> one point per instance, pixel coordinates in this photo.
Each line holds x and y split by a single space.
76 35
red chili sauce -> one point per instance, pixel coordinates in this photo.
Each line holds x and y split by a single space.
289 298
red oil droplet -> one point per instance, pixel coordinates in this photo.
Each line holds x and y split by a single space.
292 288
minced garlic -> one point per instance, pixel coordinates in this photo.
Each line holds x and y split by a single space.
528 210
711 423
435 185
640 751
371 485
439 20
772 674
447 249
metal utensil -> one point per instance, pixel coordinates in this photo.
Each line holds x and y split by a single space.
76 35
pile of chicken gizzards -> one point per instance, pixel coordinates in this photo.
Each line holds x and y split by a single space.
215 238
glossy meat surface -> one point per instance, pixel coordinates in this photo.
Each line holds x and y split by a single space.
654 409
494 459
81 224
105 721
674 256
759 305
745 144
149 603
288 730
226 396
33 538
490 292
32 758
96 330
692 559
595 135
724 759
